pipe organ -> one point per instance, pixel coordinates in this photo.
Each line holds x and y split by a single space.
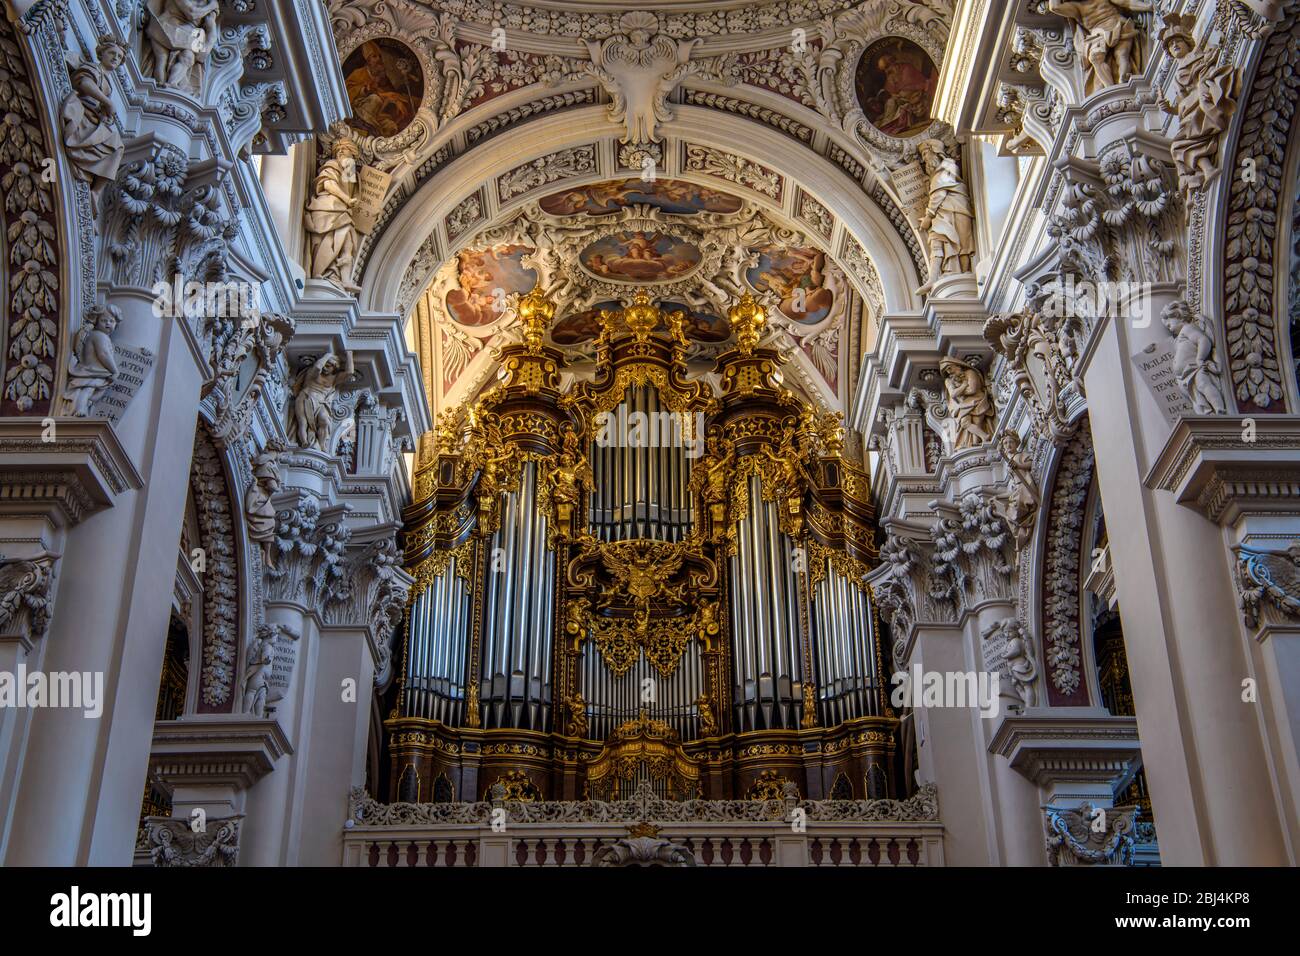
650 575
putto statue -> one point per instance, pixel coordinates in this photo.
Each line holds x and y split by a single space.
180 36
91 141
1206 94
969 403
315 389
92 366
1194 363
1105 37
949 220
332 237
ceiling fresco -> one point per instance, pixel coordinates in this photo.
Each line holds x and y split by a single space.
696 249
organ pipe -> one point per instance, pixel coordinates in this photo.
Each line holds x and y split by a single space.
587 566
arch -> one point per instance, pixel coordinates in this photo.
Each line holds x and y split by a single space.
1065 668
863 219
1247 249
216 668
36 222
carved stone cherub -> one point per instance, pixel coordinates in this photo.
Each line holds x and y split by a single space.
1194 362
315 389
1205 100
1105 37
969 403
90 139
92 366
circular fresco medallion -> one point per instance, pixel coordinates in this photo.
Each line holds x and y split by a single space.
385 86
640 257
895 83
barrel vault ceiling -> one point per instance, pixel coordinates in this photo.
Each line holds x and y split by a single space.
698 150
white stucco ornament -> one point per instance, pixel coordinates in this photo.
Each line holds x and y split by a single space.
639 68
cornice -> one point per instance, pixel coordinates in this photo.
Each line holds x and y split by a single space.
235 751
1053 746
82 470
1209 465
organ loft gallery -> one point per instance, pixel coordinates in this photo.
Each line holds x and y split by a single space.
534 434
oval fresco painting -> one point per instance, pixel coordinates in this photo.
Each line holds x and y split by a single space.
670 195
700 326
585 326
896 82
639 257
581 326
481 272
798 278
385 86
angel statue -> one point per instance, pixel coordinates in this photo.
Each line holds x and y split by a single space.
92 366
1194 362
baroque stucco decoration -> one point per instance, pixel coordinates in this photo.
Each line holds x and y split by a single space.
1250 264
221 590
32 246
1062 573
639 68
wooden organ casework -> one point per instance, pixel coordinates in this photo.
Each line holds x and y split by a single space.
638 578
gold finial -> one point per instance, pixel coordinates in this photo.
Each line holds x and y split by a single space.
641 316
747 320
536 312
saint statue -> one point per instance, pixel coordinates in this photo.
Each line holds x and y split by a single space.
1105 38
92 366
969 403
91 141
1206 100
1020 506
257 670
332 237
315 389
949 220
258 508
180 35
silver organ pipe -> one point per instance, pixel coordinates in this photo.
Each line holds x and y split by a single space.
518 612
641 489
612 701
435 679
844 646
765 633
